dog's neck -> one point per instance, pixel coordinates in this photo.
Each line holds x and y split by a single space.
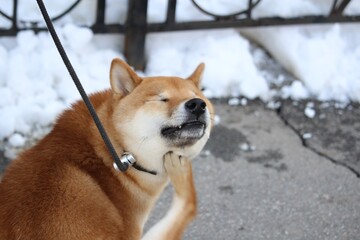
143 188
141 172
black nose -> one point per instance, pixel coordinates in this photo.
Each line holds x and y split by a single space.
195 106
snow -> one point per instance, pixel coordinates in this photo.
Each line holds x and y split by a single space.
273 105
243 101
237 101
307 136
217 120
234 101
35 86
17 140
309 112
7 123
296 91
226 73
246 147
326 59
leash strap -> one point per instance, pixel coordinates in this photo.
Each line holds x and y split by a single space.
122 167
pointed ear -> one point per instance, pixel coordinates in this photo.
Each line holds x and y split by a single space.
122 78
196 76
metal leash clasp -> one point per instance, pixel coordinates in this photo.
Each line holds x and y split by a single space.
127 160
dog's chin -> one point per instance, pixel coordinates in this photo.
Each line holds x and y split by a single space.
184 135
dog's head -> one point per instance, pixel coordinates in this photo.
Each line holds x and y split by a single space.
156 115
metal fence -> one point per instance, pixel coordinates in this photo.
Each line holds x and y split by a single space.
136 26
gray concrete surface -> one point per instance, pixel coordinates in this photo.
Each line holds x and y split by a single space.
257 179
335 130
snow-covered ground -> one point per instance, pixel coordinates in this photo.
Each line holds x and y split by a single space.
35 85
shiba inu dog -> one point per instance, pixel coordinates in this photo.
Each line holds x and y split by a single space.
66 187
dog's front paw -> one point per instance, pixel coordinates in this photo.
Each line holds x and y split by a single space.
180 173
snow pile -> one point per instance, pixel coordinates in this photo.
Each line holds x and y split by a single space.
309 110
230 68
35 85
326 59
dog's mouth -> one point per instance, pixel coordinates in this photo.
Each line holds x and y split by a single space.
188 130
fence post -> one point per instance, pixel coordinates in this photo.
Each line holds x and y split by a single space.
337 9
135 33
100 12
14 26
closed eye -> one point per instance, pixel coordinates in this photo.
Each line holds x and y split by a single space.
158 99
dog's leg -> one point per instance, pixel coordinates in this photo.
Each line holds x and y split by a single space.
183 208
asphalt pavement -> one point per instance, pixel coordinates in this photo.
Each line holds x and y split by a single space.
278 174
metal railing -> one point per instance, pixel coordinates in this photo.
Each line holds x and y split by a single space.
136 26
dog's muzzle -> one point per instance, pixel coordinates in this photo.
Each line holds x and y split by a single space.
187 126
193 126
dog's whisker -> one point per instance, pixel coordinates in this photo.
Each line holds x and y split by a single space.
142 141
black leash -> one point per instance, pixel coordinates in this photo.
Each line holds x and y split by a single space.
126 161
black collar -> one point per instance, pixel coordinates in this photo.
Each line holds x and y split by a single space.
142 169
127 160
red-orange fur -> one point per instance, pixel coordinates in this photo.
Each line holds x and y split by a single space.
66 188
63 169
